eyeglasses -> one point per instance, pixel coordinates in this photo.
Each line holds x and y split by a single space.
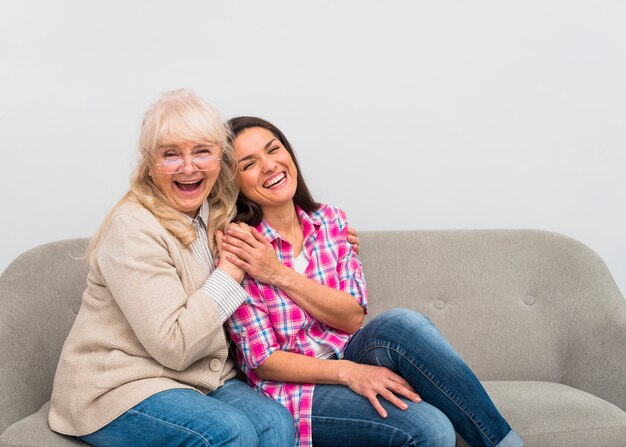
176 165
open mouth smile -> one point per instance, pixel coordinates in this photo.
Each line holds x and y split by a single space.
275 180
189 186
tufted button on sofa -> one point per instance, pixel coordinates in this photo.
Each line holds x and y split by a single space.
537 315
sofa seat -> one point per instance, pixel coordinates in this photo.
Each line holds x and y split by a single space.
556 415
34 430
543 413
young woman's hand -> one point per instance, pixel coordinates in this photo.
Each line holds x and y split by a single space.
373 381
225 264
353 238
247 249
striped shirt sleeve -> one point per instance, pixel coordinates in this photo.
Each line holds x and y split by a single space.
225 292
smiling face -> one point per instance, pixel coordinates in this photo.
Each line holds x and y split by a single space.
186 190
266 173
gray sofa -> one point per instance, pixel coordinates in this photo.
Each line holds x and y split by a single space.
537 315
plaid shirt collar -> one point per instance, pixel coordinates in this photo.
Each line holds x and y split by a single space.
310 226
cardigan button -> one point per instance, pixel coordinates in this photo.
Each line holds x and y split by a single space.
215 365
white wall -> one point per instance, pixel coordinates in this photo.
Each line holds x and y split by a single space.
426 115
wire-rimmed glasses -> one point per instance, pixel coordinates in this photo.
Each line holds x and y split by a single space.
176 165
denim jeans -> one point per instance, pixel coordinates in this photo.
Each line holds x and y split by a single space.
409 344
233 415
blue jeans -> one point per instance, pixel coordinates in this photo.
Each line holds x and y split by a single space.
233 415
409 344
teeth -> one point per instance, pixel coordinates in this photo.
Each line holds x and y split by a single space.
189 183
276 180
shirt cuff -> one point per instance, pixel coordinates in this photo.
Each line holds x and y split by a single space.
225 292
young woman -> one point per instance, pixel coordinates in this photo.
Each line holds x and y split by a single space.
299 337
146 361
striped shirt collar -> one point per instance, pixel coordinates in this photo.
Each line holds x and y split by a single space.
202 217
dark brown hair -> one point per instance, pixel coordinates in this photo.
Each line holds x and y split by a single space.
248 211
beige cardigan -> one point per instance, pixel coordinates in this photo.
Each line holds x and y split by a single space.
144 326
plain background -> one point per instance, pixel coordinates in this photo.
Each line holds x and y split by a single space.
407 114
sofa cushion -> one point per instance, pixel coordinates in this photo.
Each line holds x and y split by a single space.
554 415
34 431
545 414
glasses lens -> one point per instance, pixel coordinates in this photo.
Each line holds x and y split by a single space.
205 163
171 165
175 165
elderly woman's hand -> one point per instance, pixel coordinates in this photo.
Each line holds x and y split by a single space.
247 249
225 264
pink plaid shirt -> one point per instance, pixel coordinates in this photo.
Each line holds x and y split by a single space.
269 320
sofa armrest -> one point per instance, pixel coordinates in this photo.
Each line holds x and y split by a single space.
596 354
40 294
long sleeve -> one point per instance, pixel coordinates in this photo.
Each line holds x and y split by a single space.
349 268
251 329
225 292
137 266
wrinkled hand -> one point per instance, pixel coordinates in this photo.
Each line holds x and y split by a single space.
225 264
372 381
247 249
353 238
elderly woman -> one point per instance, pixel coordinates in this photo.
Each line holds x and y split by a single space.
299 335
146 362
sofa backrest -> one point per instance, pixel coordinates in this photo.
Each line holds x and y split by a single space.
512 302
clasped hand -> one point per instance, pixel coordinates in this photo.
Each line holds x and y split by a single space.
244 247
